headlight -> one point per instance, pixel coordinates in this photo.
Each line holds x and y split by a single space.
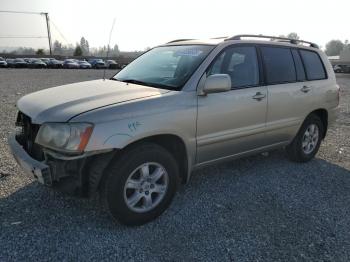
67 137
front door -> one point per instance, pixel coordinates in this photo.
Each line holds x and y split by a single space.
232 122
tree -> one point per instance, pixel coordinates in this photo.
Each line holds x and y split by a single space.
101 51
346 46
78 51
115 51
40 51
293 35
57 47
334 47
84 44
27 51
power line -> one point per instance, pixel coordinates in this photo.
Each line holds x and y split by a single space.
32 13
24 36
21 12
55 26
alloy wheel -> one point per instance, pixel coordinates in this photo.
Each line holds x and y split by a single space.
145 187
310 139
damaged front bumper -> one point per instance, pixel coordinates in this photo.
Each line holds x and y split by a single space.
30 166
77 175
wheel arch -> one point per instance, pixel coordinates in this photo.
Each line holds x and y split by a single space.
322 113
176 147
96 166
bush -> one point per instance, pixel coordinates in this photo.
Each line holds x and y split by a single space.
40 52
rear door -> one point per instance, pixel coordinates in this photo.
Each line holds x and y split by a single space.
290 91
232 122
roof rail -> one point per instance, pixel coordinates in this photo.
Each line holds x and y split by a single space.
179 40
219 37
290 40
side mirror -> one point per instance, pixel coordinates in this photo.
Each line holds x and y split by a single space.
216 84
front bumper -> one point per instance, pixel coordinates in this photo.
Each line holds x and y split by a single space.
74 175
30 166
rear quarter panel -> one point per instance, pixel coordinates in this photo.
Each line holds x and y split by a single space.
330 90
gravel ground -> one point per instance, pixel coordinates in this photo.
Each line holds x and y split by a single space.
261 208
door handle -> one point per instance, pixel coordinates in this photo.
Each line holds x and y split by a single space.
259 96
305 89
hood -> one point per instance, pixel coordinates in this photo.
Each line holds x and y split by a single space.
60 104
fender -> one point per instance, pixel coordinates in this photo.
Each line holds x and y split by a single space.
122 133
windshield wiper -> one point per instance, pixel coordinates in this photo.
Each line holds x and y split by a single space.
138 82
134 81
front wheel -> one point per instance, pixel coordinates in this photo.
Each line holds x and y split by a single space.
140 185
308 140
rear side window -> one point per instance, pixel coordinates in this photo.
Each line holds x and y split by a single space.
298 66
279 65
313 65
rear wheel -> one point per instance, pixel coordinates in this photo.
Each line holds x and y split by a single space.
140 185
308 140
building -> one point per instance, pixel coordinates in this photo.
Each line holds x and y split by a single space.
342 59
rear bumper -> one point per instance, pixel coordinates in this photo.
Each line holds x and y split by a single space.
30 166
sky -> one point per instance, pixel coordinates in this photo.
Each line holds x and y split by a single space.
141 24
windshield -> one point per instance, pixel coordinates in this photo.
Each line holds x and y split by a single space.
166 67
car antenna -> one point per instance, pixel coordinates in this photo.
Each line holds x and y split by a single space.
109 42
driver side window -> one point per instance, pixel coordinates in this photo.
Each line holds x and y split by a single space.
240 63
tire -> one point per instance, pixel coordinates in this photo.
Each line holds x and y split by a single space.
301 152
115 194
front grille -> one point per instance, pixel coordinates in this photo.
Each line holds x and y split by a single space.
28 132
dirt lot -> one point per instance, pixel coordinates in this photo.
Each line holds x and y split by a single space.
261 208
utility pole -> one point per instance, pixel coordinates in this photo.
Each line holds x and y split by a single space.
48 30
32 13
